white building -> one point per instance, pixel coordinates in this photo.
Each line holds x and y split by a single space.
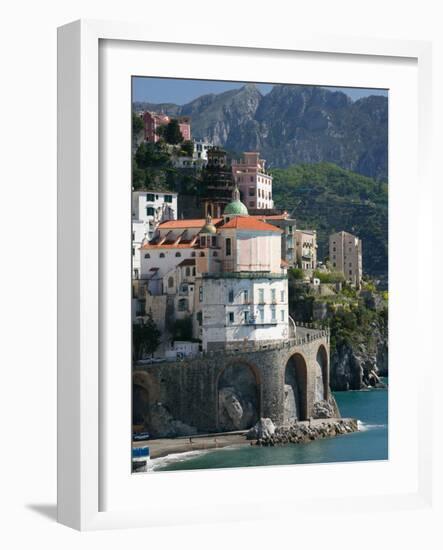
226 274
201 149
246 299
149 208
306 248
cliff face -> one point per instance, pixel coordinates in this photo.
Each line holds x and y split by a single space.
355 366
293 124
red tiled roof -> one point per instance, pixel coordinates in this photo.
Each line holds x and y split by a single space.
249 223
184 224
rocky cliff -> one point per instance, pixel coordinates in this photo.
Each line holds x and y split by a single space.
293 124
357 365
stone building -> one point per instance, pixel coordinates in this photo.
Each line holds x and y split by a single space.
254 182
217 184
345 256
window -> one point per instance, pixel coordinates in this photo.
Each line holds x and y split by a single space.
162 254
261 296
273 318
282 296
188 272
252 178
350 272
133 251
251 192
282 315
231 296
178 255
215 253
202 254
273 295
147 256
231 316
150 197
193 271
228 247
262 315
200 294
246 316
203 241
168 198
334 264
150 211
245 296
214 241
334 249
170 282
183 304
192 254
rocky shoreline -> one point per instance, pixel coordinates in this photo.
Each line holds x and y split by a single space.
264 435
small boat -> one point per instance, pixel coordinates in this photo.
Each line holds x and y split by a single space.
140 457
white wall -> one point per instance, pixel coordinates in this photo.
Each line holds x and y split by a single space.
217 306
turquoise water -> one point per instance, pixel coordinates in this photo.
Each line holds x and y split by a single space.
370 443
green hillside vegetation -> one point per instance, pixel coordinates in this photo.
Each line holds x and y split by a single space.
328 198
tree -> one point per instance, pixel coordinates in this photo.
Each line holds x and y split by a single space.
172 133
188 148
137 124
145 338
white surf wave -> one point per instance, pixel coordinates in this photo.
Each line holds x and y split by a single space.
156 463
363 427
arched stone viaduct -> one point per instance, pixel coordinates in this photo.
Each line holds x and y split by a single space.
190 389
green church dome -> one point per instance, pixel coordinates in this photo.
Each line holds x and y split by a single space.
236 207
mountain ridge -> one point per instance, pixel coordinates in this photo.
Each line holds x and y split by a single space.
292 124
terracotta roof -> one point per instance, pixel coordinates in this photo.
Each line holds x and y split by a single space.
249 223
183 224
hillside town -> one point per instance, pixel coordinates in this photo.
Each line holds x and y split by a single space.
219 281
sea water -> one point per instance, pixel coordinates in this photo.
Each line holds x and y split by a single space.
370 407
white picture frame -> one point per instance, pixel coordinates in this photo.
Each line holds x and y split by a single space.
82 399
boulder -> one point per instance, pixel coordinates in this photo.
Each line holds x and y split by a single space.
264 428
322 409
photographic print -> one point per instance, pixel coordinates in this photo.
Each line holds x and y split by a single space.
259 274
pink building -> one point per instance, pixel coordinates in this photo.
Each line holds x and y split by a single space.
152 121
254 183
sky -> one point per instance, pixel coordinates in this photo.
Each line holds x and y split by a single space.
180 91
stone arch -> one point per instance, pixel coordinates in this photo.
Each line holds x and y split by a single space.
296 389
322 361
145 392
238 396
